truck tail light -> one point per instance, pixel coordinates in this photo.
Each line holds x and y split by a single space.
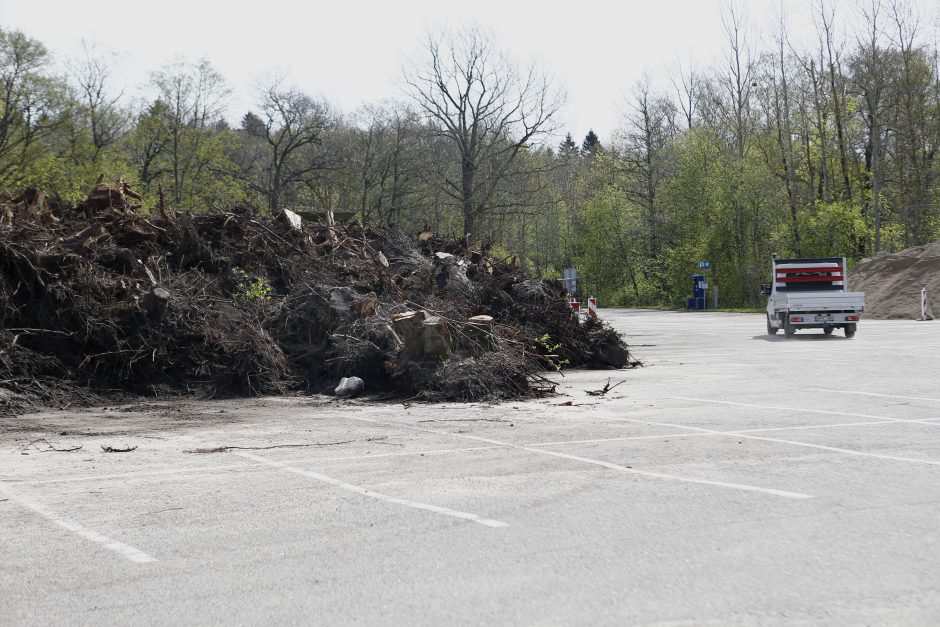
851 318
796 318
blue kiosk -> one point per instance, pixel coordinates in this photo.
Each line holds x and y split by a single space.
699 288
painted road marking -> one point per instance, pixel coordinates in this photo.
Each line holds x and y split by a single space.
834 449
595 462
800 410
909 398
170 472
125 550
699 433
488 522
200 469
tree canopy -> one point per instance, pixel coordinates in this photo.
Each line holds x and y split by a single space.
824 150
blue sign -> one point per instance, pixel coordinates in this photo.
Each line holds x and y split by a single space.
704 265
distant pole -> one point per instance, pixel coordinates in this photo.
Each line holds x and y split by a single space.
923 303
715 287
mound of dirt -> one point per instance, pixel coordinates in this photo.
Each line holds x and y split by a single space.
892 282
97 298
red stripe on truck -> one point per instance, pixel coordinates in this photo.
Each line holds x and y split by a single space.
811 269
808 279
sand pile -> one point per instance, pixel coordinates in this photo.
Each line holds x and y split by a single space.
892 282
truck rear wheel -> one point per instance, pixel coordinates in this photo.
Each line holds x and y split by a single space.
850 330
788 329
771 330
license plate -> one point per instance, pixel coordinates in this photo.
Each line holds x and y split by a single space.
824 318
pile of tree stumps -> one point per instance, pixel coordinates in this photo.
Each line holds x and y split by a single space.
97 297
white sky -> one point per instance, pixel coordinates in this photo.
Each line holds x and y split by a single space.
350 52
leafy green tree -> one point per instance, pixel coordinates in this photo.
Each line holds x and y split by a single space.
192 96
30 107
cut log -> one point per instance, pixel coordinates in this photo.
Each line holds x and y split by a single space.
54 262
408 326
291 219
435 340
425 337
84 239
104 196
479 330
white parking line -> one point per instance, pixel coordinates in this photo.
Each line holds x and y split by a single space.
909 398
488 522
595 462
699 433
125 550
169 472
802 410
835 449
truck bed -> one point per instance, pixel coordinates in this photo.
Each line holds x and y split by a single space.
819 301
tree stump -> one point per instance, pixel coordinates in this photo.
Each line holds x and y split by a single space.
408 327
435 340
479 330
425 337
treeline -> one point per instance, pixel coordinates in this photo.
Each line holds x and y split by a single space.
819 150
824 151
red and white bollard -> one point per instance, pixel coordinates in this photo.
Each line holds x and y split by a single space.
923 303
575 305
592 307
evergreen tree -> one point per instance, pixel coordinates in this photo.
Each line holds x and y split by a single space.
568 149
591 144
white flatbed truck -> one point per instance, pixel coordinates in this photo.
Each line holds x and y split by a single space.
812 294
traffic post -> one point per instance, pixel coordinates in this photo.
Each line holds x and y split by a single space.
592 307
923 303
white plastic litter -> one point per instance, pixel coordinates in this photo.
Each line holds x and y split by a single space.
350 386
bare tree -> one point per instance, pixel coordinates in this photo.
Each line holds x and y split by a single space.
290 126
738 81
871 83
686 84
914 143
195 95
837 88
488 107
92 77
650 124
781 120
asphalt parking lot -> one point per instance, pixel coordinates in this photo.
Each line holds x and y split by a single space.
736 478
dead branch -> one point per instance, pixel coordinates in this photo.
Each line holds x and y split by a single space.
604 390
117 449
223 449
49 447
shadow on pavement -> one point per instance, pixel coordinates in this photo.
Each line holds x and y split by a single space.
807 337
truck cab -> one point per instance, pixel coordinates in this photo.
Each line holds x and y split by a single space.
812 294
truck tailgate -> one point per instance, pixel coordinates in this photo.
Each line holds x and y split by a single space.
820 301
